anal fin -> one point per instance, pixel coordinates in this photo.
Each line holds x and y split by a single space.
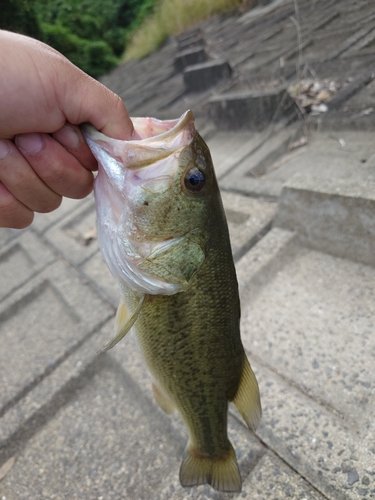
221 473
247 398
123 323
162 400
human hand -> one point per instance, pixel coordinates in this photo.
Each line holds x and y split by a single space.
43 155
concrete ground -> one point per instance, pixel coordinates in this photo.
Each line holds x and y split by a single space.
75 424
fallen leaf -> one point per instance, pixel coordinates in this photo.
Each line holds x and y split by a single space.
323 95
298 144
89 235
5 468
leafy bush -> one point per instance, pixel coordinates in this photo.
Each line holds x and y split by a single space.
95 57
91 33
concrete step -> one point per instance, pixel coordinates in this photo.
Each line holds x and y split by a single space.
190 57
333 216
251 110
307 321
200 77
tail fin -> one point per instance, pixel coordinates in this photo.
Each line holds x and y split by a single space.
221 473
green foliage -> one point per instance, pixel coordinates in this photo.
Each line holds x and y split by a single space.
94 57
19 16
91 33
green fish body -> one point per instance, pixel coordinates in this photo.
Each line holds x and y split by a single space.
163 232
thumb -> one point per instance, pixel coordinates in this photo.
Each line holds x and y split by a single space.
90 101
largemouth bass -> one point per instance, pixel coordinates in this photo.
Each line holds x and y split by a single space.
163 233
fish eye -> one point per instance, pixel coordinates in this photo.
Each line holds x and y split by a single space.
194 180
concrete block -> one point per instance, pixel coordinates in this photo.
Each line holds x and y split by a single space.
7 233
250 174
96 270
109 439
190 57
334 216
248 219
193 38
250 109
74 236
315 442
200 77
272 479
306 323
42 222
20 259
227 152
41 324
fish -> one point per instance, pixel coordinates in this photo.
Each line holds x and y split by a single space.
163 233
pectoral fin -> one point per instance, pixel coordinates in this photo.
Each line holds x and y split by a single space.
178 262
123 323
247 399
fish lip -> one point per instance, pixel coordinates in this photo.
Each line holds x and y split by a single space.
90 132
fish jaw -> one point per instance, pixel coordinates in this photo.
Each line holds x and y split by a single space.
128 173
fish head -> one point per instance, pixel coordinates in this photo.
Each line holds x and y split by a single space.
154 197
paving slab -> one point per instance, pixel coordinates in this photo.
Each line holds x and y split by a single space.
339 155
20 259
307 319
248 220
227 150
42 222
111 417
249 177
96 270
8 233
73 235
42 323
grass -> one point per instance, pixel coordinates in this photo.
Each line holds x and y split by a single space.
172 17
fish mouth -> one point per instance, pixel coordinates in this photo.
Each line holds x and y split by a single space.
158 140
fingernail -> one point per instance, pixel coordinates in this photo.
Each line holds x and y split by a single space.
4 149
67 137
29 143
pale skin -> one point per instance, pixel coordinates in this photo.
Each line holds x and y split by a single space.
43 155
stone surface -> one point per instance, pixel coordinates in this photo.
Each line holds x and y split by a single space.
248 220
73 234
110 416
249 175
96 270
252 110
42 323
190 57
226 158
202 76
43 222
307 322
272 480
334 216
22 258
